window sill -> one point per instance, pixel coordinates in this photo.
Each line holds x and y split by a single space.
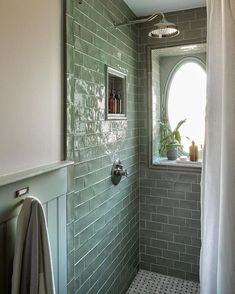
163 161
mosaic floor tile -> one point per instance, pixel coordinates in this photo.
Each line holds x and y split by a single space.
147 282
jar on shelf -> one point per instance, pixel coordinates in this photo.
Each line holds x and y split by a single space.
193 152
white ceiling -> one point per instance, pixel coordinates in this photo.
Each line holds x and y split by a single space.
147 7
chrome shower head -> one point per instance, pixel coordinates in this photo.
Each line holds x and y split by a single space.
164 29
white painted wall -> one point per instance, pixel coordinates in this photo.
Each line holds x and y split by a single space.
30 83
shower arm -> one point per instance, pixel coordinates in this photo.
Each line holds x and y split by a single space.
137 21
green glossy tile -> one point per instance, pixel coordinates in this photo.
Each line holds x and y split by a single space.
69 59
69 30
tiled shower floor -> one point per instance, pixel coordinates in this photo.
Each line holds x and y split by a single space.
147 282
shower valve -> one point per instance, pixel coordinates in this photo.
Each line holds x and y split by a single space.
118 172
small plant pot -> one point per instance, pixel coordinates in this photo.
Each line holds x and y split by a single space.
172 154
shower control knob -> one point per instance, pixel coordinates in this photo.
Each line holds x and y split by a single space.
120 172
117 172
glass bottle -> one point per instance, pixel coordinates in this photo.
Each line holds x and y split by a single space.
112 102
193 152
200 153
119 102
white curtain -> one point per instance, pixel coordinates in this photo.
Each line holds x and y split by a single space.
217 272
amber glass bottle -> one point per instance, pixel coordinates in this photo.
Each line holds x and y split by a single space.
193 152
112 102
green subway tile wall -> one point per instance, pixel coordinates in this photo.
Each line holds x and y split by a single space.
103 220
169 196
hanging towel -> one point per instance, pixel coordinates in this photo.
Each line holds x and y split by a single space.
32 267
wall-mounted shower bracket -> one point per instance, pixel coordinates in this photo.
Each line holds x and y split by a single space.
136 21
117 172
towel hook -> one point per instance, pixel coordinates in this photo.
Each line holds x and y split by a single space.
21 192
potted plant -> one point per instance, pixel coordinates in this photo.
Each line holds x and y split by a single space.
170 141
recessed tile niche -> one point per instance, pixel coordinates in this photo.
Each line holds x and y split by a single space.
115 94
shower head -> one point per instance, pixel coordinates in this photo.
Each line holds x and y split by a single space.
164 29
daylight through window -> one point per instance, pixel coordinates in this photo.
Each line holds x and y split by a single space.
186 98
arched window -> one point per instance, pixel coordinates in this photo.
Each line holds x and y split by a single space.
186 98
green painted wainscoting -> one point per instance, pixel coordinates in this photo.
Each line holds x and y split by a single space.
50 185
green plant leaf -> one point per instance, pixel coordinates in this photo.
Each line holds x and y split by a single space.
180 124
177 136
169 138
